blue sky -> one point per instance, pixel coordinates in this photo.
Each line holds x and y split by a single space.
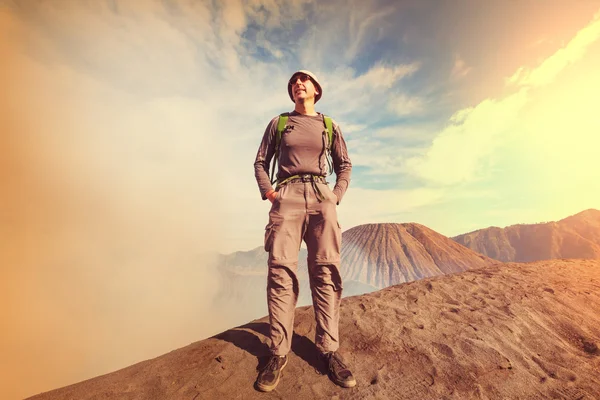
167 91
137 124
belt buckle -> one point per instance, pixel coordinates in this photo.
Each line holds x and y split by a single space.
305 177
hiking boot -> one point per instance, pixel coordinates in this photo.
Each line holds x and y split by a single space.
337 371
268 378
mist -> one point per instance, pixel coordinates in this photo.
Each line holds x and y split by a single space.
108 229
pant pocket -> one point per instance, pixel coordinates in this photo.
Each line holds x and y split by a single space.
330 195
269 231
337 281
279 194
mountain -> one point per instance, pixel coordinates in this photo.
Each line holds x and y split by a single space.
514 331
386 254
374 256
577 236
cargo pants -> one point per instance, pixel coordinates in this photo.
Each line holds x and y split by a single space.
296 214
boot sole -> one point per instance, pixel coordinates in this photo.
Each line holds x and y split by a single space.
344 384
265 388
350 384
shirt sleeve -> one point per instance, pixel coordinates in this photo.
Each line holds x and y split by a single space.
264 155
341 163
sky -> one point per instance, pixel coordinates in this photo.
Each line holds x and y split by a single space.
128 132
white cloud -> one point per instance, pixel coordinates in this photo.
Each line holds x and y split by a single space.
381 158
381 76
553 65
363 206
457 153
385 150
422 132
272 14
362 95
362 21
353 128
275 52
404 105
465 150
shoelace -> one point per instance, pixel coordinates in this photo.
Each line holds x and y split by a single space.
336 360
273 364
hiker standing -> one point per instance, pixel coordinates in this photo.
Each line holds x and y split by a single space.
303 208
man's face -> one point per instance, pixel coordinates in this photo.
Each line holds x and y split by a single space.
302 87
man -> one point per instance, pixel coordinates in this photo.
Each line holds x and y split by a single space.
303 208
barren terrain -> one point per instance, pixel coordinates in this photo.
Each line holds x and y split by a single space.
506 331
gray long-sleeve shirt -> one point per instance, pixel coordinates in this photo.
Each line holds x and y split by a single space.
301 152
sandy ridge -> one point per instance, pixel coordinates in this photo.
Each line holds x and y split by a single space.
508 331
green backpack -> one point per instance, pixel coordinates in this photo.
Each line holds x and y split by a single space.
282 125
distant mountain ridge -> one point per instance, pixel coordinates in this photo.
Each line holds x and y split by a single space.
374 256
577 236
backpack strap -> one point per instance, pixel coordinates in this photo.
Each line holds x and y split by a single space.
329 129
281 126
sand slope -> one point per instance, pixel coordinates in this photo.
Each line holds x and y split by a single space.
507 331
